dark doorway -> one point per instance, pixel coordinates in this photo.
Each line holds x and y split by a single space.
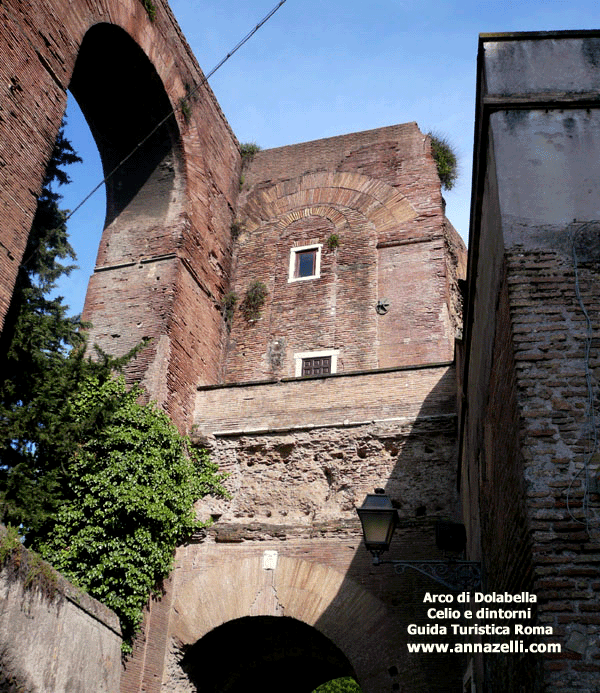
264 653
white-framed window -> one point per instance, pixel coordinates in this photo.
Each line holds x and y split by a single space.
305 262
308 363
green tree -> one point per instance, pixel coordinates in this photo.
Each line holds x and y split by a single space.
343 685
133 480
41 355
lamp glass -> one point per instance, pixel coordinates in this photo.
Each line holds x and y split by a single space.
378 518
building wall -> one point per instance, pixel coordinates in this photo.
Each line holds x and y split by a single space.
54 637
377 193
167 262
301 453
529 459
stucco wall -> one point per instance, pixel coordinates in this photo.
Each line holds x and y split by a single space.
58 640
528 462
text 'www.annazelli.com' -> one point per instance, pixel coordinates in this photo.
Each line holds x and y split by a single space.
515 646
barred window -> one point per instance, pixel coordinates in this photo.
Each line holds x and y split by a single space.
316 366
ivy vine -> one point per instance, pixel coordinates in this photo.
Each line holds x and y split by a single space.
133 483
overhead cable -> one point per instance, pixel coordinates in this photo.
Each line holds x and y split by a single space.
181 104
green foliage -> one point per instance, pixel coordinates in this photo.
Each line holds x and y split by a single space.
150 8
133 480
100 484
185 108
254 299
248 150
343 685
41 356
229 302
445 159
9 544
333 241
42 362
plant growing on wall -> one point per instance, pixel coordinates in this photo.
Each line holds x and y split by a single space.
248 150
150 8
228 304
185 108
445 159
333 241
26 565
254 299
133 480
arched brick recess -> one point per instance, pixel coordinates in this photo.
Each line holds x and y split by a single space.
312 593
382 204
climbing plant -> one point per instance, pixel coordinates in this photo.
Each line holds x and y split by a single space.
133 480
445 159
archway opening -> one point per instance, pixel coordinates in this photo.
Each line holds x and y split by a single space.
123 100
264 653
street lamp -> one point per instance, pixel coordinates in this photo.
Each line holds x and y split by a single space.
379 519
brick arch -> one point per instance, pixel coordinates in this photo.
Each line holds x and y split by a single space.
312 593
379 202
167 240
335 216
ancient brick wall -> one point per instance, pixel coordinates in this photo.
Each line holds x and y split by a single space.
295 481
529 451
370 203
166 247
309 450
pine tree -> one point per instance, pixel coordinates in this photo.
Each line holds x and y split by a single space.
41 357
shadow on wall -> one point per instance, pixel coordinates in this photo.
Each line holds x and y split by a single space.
123 100
324 611
283 653
422 486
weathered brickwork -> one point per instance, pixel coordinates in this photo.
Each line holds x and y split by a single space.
322 577
174 198
336 400
529 415
185 229
371 202
302 477
559 453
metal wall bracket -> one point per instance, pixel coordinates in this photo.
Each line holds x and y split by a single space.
455 575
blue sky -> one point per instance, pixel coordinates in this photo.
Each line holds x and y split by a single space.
319 69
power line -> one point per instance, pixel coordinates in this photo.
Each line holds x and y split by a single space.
183 101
